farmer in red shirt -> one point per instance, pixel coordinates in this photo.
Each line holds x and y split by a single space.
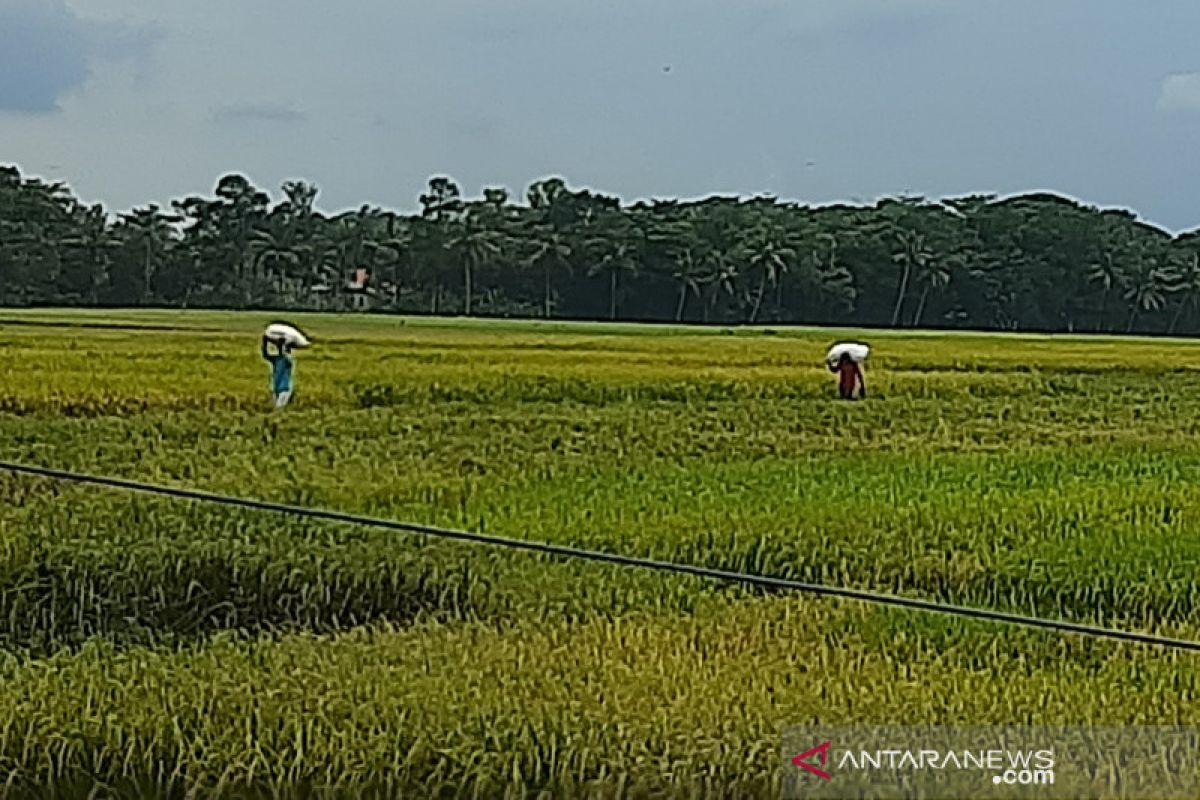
849 374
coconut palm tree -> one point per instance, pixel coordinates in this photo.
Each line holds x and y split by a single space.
767 253
616 251
912 253
1148 290
721 276
689 274
551 253
276 253
474 243
1187 285
934 275
1106 272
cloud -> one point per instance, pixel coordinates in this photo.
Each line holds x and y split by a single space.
1180 92
258 112
47 51
42 54
849 14
488 21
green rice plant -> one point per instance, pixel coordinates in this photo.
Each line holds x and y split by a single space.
645 704
160 648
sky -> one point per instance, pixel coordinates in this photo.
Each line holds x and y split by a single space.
133 102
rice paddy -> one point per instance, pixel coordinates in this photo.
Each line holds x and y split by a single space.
152 647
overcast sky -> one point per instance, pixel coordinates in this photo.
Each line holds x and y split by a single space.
816 100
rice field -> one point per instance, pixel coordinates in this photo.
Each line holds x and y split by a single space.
151 647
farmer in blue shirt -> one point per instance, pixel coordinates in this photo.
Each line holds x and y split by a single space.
282 364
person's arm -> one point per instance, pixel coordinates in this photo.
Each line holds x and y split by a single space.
265 354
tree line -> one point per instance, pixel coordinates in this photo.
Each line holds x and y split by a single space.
1032 262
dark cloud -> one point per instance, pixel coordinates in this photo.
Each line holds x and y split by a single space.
258 112
46 51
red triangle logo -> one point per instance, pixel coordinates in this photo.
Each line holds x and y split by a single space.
821 750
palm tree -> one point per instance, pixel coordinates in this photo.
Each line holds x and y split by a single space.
913 253
1188 285
688 275
1147 291
934 275
616 251
1106 272
721 275
551 253
767 253
275 252
616 258
675 244
475 243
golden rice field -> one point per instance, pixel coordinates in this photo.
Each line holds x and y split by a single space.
157 648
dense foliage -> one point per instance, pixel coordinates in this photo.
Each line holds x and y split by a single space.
1033 262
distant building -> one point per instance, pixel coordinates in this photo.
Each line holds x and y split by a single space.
358 287
357 290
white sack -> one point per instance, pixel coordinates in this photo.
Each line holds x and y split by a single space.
858 352
281 333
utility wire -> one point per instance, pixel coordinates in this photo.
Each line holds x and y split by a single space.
565 551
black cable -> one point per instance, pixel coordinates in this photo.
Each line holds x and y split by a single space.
565 551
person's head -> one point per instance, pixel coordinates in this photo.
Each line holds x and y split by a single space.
845 359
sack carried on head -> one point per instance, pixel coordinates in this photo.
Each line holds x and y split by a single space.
286 335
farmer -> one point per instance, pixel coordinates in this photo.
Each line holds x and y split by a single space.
849 374
282 364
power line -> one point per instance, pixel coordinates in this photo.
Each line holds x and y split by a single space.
565 551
